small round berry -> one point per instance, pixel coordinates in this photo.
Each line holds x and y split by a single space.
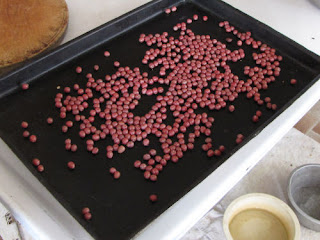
121 149
85 210
33 138
259 113
293 81
255 118
137 164
146 142
153 197
231 108
78 69
36 162
71 165
74 147
24 124
87 216
153 177
49 120
25 86
40 168
26 134
69 123
116 175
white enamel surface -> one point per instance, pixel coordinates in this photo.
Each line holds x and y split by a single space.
45 218
8 226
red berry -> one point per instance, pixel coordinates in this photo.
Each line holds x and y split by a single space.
74 147
112 170
147 174
78 69
85 210
255 118
231 108
71 165
49 120
137 164
153 177
26 134
69 123
259 113
153 197
24 124
121 149
64 129
293 81
116 175
217 152
36 162
109 154
222 148
40 168
145 142
210 153
87 216
33 138
25 86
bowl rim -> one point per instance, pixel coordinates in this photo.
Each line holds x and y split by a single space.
290 196
282 204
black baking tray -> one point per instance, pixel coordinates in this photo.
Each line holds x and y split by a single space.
122 208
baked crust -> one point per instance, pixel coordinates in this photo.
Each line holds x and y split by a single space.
28 27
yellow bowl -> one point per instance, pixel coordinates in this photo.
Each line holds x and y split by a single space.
259 216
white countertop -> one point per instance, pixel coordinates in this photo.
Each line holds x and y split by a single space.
297 19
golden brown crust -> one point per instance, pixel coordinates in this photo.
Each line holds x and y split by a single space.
29 27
